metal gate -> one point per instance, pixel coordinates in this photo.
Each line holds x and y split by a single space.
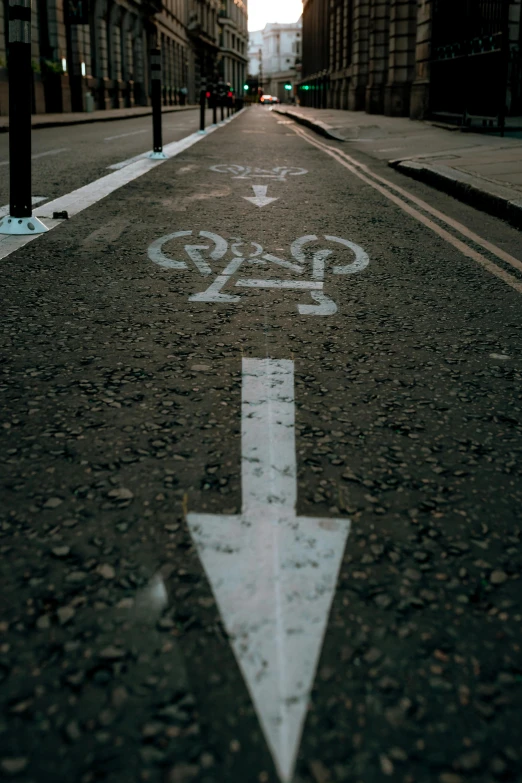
469 67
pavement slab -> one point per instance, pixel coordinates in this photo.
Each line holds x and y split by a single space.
434 154
126 336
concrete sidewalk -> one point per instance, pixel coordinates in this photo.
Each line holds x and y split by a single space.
483 170
80 117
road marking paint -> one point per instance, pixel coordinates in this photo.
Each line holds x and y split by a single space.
272 572
280 262
247 172
311 258
50 152
302 284
260 199
213 292
324 306
40 155
84 197
122 135
157 255
89 194
35 200
123 163
455 224
173 148
319 257
457 243
170 150
462 229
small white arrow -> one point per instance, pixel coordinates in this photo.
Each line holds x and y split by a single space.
273 573
260 199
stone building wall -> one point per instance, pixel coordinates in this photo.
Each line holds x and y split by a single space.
377 55
234 44
103 63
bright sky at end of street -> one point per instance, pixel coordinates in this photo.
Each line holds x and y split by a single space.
260 12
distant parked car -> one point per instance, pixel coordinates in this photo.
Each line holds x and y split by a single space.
269 99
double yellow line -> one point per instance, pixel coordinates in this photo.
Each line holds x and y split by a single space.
389 190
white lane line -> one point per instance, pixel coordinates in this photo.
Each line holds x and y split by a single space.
50 152
123 163
170 150
273 573
40 155
5 209
85 197
122 135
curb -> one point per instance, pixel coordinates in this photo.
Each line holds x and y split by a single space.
494 199
319 127
89 119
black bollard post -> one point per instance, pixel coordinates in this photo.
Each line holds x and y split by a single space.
220 95
214 105
20 219
202 106
155 94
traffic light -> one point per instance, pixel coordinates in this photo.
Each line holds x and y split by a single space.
288 86
246 87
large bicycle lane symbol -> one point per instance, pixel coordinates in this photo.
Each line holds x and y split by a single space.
309 266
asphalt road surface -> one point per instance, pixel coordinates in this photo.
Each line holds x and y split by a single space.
261 458
67 157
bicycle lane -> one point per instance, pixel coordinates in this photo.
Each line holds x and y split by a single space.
276 427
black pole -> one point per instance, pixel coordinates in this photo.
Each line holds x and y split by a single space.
214 106
20 106
202 107
222 110
155 80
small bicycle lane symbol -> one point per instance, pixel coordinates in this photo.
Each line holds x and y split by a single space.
309 266
279 173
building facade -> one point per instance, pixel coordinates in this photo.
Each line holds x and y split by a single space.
275 58
233 18
255 52
419 58
94 54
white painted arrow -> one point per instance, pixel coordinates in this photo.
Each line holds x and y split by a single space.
273 573
260 199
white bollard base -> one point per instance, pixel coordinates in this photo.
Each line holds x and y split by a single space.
21 226
157 156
